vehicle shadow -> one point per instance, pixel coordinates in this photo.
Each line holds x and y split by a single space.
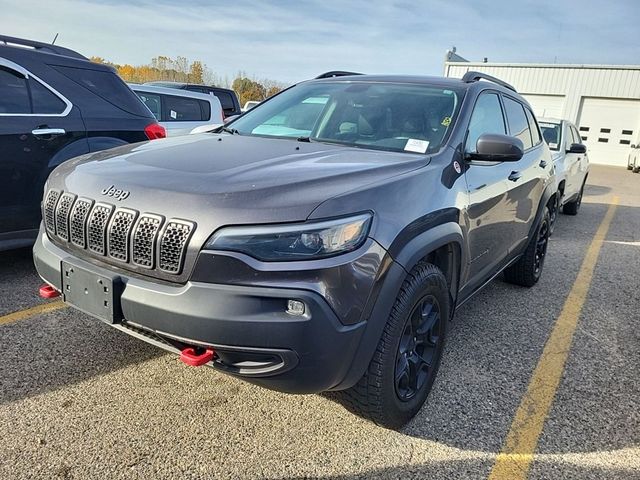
496 340
19 281
473 469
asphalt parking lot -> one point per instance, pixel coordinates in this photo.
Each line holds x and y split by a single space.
82 400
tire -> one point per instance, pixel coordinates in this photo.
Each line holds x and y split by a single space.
636 169
553 213
527 270
571 208
629 166
402 370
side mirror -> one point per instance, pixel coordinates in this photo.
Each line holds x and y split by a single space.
577 148
494 147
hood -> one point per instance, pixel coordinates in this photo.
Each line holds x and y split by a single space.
223 179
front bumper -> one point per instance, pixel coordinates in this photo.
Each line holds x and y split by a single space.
247 325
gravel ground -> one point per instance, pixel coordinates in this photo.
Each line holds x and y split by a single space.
81 400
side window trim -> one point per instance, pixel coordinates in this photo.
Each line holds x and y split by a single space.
28 75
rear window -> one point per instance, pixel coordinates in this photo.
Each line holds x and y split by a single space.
108 86
44 100
153 103
14 96
517 120
183 109
225 100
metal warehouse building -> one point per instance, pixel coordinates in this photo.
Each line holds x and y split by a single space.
602 100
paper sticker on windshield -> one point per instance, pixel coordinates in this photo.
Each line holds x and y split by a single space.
415 145
446 121
553 145
174 114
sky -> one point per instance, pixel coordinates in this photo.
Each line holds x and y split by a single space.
291 40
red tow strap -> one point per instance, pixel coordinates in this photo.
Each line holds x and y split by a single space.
190 357
47 291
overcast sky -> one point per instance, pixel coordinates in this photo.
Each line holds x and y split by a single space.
294 40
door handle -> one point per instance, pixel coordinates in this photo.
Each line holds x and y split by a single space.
543 163
515 176
50 132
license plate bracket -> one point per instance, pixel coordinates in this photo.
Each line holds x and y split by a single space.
95 294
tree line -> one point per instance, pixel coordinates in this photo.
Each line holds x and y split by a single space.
181 69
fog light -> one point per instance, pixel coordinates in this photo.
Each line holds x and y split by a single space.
295 307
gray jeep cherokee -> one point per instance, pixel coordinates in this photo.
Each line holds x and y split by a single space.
321 241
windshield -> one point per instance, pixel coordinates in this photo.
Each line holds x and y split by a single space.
552 133
384 116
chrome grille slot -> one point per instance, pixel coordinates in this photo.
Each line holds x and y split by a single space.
50 210
119 232
97 227
78 221
62 215
173 242
145 234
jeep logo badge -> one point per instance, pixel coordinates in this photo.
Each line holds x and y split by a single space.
114 192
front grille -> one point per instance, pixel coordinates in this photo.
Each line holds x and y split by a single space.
62 215
78 221
121 234
119 230
97 227
172 245
144 240
50 210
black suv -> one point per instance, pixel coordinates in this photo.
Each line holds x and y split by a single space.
54 105
321 241
228 98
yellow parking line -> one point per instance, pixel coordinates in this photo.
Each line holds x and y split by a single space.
30 312
514 460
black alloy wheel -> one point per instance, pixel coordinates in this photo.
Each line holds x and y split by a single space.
419 346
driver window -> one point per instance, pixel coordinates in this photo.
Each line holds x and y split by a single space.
487 117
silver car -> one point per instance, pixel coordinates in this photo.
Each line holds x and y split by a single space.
571 164
180 111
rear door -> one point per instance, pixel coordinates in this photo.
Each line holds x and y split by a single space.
36 123
525 182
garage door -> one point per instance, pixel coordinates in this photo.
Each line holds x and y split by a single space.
546 105
608 127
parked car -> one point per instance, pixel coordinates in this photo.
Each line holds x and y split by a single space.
228 98
321 241
571 163
180 111
249 105
54 105
633 161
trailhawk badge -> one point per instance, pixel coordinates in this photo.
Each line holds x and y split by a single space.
114 192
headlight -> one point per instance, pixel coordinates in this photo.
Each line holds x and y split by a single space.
294 242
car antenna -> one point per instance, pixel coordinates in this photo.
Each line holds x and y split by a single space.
55 38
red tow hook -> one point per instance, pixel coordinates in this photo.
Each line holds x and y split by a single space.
47 291
190 357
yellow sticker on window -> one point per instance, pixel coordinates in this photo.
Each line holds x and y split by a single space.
446 121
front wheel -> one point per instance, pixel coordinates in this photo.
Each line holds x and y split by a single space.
527 270
571 208
406 361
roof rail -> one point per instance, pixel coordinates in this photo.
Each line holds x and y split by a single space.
336 73
472 76
45 47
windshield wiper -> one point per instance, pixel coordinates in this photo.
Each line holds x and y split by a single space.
304 139
229 130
